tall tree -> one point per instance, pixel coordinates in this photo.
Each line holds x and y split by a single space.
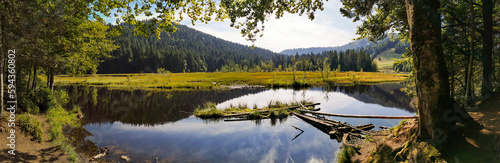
434 99
421 22
487 36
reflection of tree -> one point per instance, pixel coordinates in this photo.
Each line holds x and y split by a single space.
140 107
385 95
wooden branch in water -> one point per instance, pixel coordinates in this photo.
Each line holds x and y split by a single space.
264 111
243 119
360 116
323 123
297 128
365 127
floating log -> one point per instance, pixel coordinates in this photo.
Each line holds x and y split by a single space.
321 122
265 111
335 129
360 116
365 127
243 119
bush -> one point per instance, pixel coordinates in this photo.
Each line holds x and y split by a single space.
31 126
45 98
29 106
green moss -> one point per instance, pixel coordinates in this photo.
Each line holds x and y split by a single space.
31 126
345 154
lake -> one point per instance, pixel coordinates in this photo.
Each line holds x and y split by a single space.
144 124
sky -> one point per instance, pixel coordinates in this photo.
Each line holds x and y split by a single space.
329 28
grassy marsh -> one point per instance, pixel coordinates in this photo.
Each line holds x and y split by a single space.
274 109
209 80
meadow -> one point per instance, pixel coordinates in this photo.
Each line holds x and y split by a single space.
210 80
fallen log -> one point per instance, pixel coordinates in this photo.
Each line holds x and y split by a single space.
365 127
323 123
360 116
264 111
243 119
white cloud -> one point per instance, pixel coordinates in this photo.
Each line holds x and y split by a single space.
328 28
292 31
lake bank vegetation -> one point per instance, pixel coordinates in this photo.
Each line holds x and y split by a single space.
274 109
205 80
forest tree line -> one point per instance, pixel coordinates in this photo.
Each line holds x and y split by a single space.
188 50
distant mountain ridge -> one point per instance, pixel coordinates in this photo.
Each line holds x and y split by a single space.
374 49
352 45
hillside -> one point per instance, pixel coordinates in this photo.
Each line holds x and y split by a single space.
386 58
374 49
352 45
186 50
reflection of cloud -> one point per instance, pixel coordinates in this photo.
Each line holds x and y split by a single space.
269 157
315 160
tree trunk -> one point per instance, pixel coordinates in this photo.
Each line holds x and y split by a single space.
432 84
3 50
35 77
51 81
487 35
470 64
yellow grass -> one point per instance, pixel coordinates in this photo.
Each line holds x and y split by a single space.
207 80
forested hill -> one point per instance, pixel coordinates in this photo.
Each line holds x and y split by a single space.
374 49
352 45
186 50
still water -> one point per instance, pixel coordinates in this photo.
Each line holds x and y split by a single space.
144 124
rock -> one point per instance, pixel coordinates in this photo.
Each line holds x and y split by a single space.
123 157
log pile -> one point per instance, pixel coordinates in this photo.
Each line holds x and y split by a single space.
337 130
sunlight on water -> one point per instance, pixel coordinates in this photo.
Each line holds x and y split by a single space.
144 125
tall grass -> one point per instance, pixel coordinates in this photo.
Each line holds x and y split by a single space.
58 118
277 109
345 154
206 80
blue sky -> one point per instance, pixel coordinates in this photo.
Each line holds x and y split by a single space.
329 28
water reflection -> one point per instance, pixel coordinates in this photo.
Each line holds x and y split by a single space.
147 124
141 107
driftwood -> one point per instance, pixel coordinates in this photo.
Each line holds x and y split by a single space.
365 127
243 119
336 129
265 111
297 128
101 154
360 116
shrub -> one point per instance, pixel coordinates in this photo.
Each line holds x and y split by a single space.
28 105
31 126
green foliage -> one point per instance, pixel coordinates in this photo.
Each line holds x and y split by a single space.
58 118
32 126
28 105
209 110
45 97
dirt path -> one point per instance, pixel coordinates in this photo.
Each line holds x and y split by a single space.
27 150
487 113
